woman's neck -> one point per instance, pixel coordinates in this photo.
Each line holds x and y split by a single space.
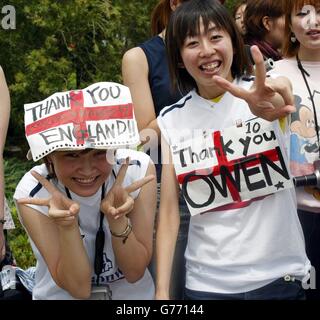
162 34
309 54
214 91
210 93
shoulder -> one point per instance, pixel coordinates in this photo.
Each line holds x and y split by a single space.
134 58
177 107
2 76
134 54
28 184
284 66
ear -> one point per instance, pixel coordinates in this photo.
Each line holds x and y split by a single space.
266 21
174 4
181 65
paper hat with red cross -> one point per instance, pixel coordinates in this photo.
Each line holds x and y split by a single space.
100 116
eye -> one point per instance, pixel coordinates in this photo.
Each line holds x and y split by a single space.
71 155
303 13
215 37
100 154
190 43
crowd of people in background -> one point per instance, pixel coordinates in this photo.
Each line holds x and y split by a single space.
128 229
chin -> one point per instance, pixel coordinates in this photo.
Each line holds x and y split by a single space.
85 191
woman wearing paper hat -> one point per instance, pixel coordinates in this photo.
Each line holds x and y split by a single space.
89 213
6 221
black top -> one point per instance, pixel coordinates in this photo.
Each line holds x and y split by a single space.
159 81
159 78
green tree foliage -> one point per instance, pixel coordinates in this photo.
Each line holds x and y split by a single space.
64 45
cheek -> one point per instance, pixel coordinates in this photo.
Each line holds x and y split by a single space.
63 169
297 27
186 57
104 167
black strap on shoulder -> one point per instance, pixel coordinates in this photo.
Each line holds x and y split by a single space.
38 187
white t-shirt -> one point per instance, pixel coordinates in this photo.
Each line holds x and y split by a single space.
235 250
89 217
304 146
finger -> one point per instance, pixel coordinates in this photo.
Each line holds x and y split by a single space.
38 202
277 113
143 142
138 184
56 213
232 88
74 208
64 219
69 203
125 208
260 70
282 85
107 208
45 183
122 172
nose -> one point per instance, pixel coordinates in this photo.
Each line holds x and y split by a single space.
312 18
207 49
86 167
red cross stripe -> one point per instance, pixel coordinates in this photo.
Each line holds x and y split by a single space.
78 115
223 161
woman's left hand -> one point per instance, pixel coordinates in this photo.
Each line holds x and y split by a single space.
118 202
268 98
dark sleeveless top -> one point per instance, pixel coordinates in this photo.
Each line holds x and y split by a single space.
159 78
159 81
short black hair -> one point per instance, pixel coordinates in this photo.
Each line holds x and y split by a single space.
184 22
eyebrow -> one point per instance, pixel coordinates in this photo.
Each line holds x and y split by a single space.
210 29
215 28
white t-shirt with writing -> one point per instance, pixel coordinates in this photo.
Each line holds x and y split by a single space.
89 218
239 248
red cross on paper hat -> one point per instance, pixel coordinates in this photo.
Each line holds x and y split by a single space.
100 116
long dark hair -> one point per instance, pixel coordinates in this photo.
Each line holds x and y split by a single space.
184 22
160 16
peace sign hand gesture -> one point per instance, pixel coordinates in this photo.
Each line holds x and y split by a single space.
62 210
268 98
118 202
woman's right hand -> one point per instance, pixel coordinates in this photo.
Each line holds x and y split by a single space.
62 210
268 98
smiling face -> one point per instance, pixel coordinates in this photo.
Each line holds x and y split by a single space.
83 172
207 54
305 24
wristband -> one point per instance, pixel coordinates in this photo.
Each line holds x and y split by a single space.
3 221
125 233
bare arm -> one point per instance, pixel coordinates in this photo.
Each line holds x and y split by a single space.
59 241
135 72
4 121
167 228
134 255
